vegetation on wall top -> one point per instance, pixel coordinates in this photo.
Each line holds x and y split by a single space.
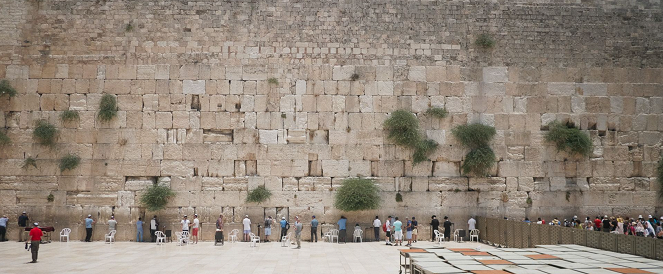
569 138
258 195
481 157
403 129
357 194
156 197
45 133
7 89
107 108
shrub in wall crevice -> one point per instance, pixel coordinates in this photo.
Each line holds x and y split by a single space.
357 194
156 197
568 138
4 139
403 129
29 162
107 108
481 157
7 89
69 115
45 133
69 162
258 195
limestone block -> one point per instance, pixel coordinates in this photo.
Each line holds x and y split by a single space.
417 73
290 184
268 136
359 168
318 137
296 136
448 184
193 86
335 168
145 72
235 184
212 183
561 88
384 73
495 74
116 86
274 183
92 199
446 169
342 72
300 87
176 168
488 184
254 73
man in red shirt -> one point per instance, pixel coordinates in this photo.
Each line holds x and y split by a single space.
597 224
35 239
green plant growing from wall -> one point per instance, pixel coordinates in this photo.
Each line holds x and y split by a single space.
258 195
69 162
129 28
399 197
273 81
69 116
107 108
437 112
7 89
476 137
354 77
29 162
403 129
357 194
50 198
484 41
156 197
4 139
568 138
528 201
45 133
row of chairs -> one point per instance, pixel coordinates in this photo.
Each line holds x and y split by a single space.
357 235
439 237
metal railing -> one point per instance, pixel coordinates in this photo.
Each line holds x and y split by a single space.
519 234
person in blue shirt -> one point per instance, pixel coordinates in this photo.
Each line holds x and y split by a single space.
88 228
139 230
314 229
284 228
341 229
408 229
398 230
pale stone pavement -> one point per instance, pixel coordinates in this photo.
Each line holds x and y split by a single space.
131 257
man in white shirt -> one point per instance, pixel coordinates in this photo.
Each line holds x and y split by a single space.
376 228
154 225
472 224
194 230
185 224
247 228
387 225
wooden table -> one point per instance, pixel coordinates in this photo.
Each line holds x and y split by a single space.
404 262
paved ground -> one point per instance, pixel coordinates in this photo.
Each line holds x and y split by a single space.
131 257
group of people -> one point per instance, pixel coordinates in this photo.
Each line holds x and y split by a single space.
649 227
23 220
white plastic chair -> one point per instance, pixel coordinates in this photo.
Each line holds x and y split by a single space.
187 237
110 237
285 240
474 234
357 234
233 235
181 237
65 234
457 237
439 238
330 235
255 240
161 237
614 232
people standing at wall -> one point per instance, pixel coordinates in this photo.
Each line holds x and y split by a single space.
247 228
408 231
185 224
398 232
435 225
3 228
195 228
606 224
154 225
298 232
284 228
35 240
219 226
447 228
22 223
112 224
139 230
376 228
88 227
269 222
597 223
387 230
471 224
314 229
415 229
342 232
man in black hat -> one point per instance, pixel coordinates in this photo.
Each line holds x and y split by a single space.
447 228
435 223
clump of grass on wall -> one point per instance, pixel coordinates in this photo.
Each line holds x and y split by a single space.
569 138
399 197
273 81
258 195
4 139
485 41
437 112
7 89
476 137
156 197
29 162
357 194
403 129
107 108
45 133
69 115
69 162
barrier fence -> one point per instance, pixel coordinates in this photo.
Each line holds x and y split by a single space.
518 234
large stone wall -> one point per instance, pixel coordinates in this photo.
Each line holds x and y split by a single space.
198 112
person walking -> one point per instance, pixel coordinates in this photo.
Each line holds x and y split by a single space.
314 229
219 226
3 228
139 230
22 223
35 240
269 222
195 228
341 229
376 228
284 228
398 232
154 225
112 224
298 232
447 228
247 228
88 227
387 230
435 224
415 230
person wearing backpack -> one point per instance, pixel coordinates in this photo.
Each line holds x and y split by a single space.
268 228
284 228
